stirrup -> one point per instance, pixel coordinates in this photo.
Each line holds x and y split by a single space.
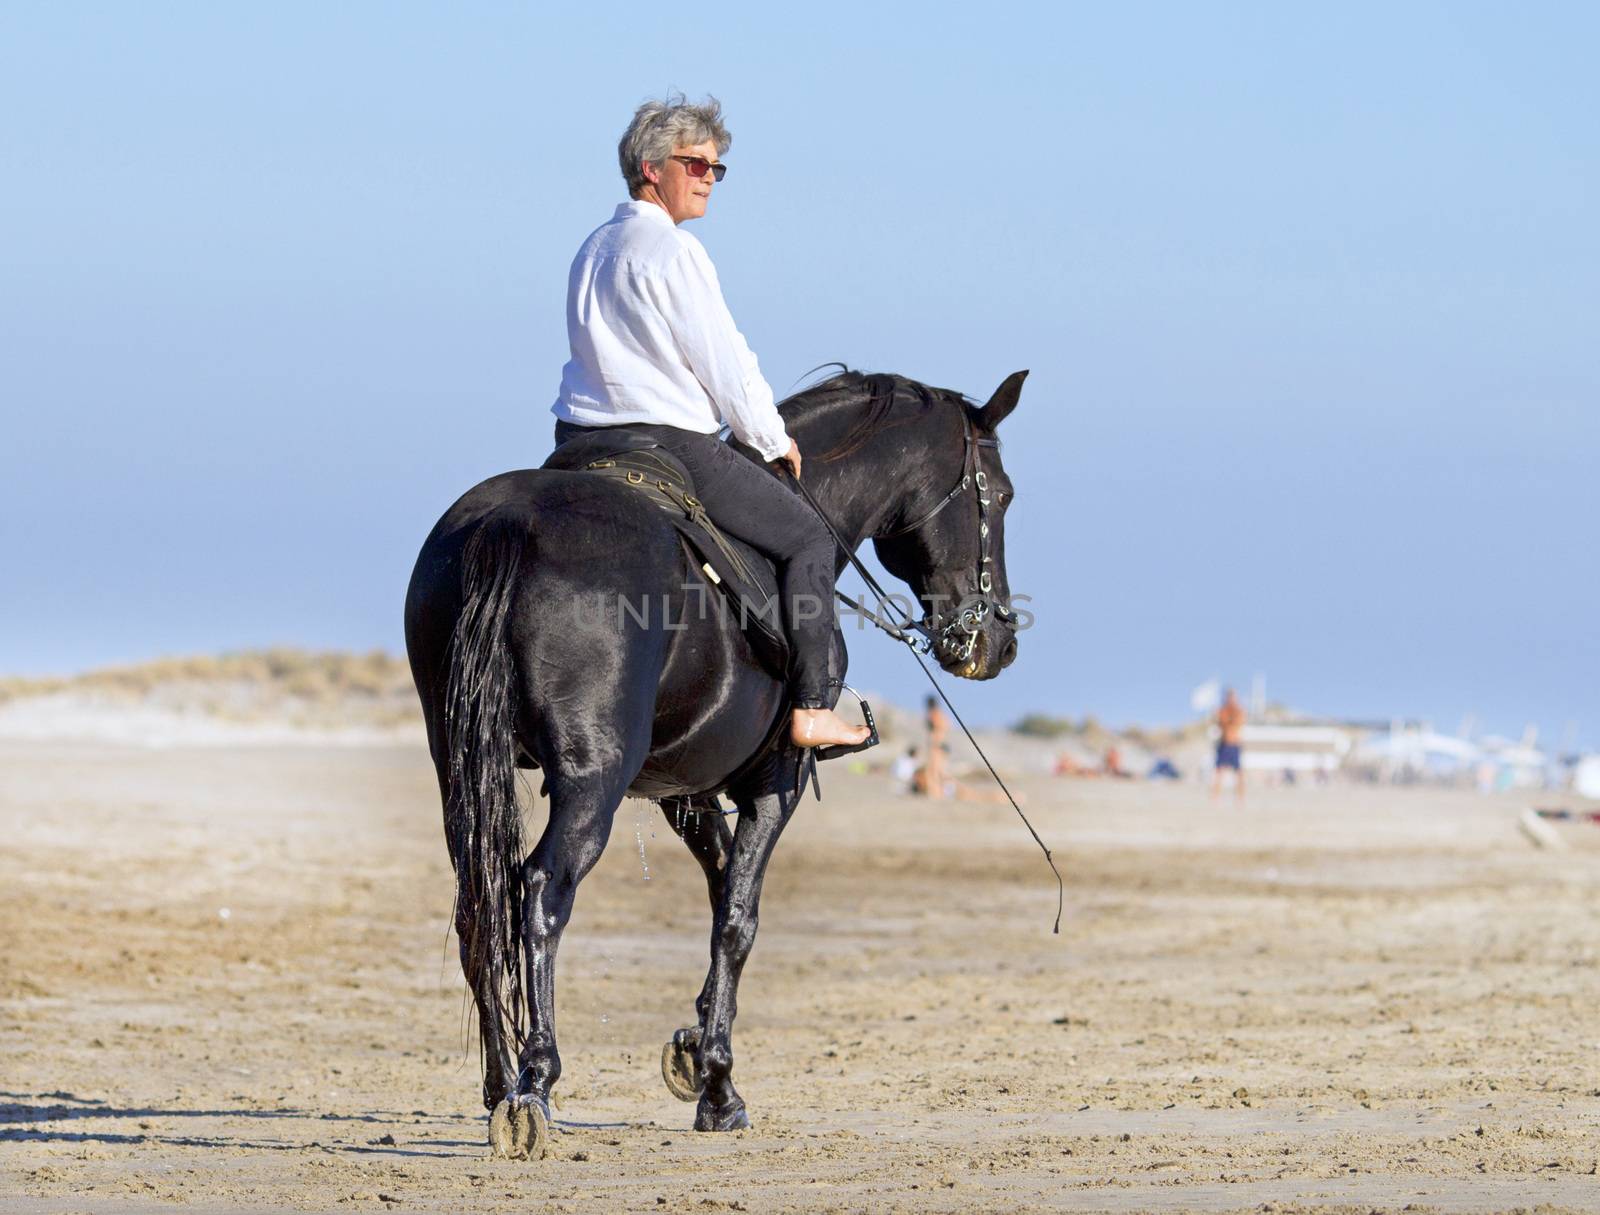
835 750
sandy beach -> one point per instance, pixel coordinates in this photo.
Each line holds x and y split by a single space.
228 984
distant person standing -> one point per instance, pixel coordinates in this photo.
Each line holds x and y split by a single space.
1230 727
938 731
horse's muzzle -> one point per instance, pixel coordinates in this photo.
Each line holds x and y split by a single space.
991 652
1008 653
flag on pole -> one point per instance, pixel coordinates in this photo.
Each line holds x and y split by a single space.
1207 696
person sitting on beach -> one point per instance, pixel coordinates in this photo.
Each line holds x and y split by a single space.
904 771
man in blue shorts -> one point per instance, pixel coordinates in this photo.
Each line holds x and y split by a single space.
1230 728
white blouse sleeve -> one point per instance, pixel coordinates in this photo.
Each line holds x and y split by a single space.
716 352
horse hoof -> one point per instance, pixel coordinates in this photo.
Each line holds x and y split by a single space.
681 1070
518 1130
733 1119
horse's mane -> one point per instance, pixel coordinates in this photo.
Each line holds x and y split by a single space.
867 399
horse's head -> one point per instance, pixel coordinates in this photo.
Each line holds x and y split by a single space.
946 539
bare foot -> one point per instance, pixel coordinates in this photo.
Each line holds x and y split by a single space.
823 728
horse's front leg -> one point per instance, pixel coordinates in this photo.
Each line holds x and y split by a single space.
699 823
733 931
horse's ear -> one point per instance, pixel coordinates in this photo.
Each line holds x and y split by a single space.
1003 402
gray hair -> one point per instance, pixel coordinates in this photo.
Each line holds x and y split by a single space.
660 126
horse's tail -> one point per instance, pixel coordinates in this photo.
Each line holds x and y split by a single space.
482 819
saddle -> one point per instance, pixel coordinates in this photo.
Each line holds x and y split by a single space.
742 579
743 575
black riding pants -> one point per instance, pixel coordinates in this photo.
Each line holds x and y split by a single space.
749 502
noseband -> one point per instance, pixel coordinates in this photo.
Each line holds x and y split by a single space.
955 633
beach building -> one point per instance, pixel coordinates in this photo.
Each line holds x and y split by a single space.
1300 749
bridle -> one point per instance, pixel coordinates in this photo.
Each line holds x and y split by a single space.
955 633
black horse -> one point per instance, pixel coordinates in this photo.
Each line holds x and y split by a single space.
665 704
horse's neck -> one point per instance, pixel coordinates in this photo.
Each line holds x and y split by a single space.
849 518
854 496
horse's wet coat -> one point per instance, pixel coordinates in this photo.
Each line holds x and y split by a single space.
522 650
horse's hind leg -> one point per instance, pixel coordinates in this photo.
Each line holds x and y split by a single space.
733 931
584 796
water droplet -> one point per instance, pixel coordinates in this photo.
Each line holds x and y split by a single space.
638 836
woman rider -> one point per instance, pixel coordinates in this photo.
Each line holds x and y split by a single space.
655 349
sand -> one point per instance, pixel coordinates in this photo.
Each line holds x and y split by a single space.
228 984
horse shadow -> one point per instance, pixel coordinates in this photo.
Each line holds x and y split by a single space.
39 1118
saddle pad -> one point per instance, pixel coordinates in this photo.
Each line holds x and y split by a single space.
743 581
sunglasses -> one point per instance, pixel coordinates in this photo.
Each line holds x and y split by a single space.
698 166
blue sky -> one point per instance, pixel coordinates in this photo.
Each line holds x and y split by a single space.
1309 299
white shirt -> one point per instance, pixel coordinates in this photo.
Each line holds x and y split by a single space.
653 341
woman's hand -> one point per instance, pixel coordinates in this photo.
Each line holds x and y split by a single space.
791 458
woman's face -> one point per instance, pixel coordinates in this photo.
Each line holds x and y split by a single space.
684 197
